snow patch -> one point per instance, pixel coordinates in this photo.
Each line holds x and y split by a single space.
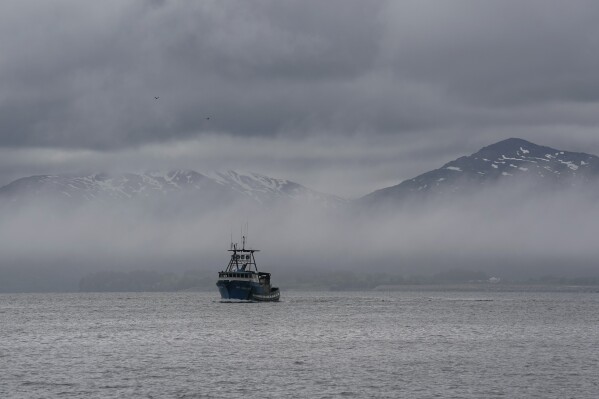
540 159
506 174
510 158
524 151
494 166
569 164
454 168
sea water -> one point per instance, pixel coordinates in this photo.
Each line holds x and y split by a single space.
418 344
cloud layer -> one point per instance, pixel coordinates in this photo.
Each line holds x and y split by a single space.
449 77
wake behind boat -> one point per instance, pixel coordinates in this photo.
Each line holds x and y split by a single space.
241 279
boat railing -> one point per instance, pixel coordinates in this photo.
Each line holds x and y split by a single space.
236 274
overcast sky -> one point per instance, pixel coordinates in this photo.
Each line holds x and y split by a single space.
342 96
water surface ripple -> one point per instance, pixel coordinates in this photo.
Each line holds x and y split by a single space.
312 345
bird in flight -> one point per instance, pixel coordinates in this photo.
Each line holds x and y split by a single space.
156 98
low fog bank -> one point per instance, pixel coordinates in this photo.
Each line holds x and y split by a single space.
515 234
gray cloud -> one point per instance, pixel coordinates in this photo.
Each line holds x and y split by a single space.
87 77
428 80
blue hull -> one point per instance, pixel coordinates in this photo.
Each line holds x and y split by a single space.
246 291
241 290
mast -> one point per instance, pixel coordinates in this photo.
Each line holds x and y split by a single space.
242 257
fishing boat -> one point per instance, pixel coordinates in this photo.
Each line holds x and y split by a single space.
241 280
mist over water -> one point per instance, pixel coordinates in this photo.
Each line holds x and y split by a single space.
508 231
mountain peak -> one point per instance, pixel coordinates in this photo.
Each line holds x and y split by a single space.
513 145
512 142
509 159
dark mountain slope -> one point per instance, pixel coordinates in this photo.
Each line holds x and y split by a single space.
512 160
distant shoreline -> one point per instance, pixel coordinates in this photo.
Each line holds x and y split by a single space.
442 287
488 287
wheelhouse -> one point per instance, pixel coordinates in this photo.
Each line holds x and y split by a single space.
242 264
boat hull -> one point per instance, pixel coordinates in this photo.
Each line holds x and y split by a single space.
232 289
246 291
272 296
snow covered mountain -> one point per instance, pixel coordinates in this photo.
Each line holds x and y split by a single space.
264 189
229 186
511 160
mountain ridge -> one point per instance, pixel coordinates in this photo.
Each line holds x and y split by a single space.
512 158
228 185
509 160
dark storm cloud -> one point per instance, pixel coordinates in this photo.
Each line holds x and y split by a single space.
508 52
85 75
390 88
77 75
